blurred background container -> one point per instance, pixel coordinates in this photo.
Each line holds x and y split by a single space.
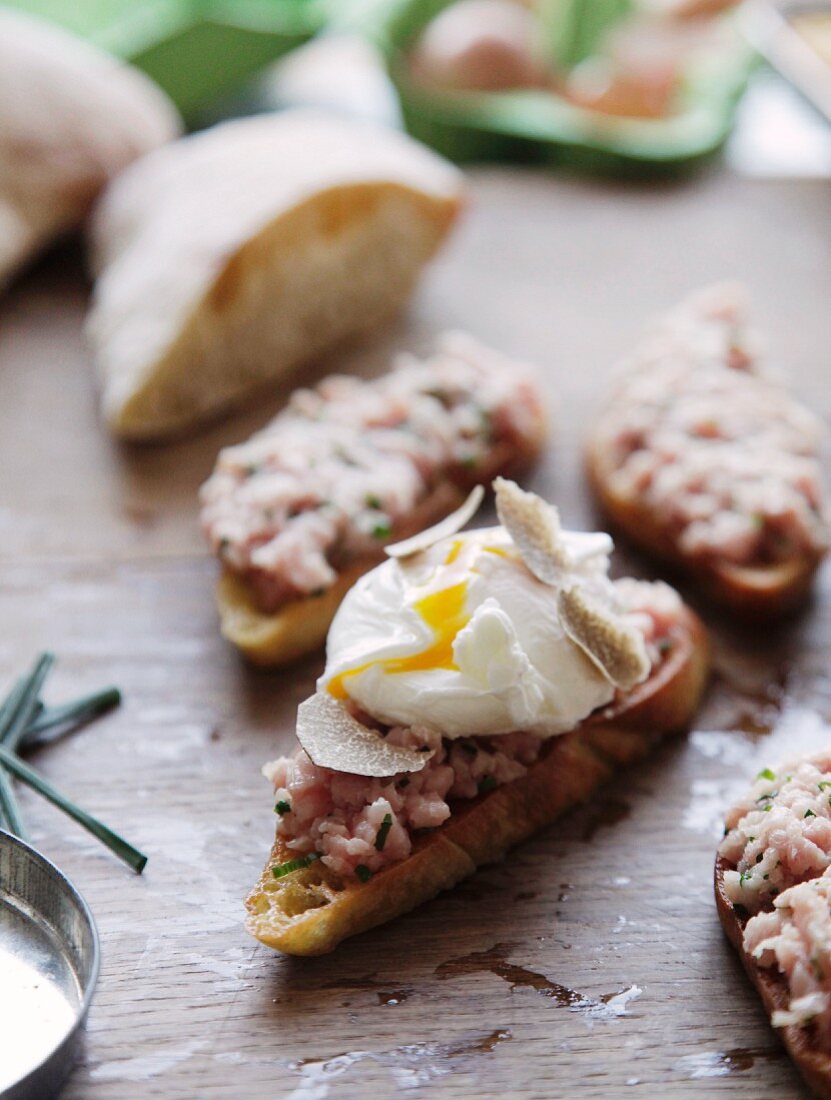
621 86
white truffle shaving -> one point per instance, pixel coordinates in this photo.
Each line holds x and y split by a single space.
333 738
534 526
618 650
445 529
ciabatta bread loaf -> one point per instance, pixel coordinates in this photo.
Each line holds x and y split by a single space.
71 118
235 255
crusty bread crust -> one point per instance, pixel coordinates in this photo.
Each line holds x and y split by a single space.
311 911
753 592
274 639
800 1043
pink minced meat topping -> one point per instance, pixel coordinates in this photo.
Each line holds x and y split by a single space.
796 938
331 477
340 816
728 461
779 834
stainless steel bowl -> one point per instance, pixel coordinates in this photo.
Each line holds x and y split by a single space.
49 957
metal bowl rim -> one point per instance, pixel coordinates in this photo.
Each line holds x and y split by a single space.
95 965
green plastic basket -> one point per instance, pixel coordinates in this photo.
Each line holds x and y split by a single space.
196 50
542 127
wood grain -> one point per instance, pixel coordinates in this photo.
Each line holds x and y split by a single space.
507 985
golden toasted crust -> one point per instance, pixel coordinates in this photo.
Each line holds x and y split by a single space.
312 910
273 639
813 1063
754 592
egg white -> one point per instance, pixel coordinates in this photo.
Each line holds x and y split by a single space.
513 665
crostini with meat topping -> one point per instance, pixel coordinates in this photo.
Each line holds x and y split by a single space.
704 459
773 893
298 513
477 686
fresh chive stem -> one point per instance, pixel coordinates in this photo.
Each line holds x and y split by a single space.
10 703
73 713
126 852
10 817
18 719
16 714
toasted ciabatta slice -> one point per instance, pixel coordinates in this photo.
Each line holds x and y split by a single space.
812 1061
312 910
297 463
708 464
245 250
276 638
272 639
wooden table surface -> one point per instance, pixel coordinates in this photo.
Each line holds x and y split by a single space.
589 963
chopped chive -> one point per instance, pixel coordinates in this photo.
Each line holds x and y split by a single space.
744 876
373 501
381 530
381 837
809 813
126 852
298 864
824 785
282 807
363 873
766 773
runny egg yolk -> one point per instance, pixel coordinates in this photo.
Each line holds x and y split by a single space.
445 614
456 549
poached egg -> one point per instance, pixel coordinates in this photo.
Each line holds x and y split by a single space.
463 639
